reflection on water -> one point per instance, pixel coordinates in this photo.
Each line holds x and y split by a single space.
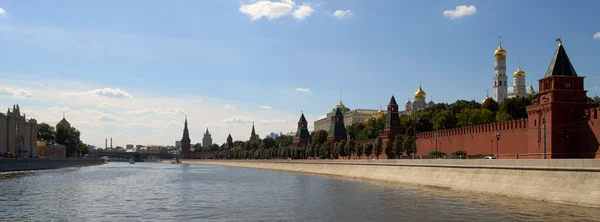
153 191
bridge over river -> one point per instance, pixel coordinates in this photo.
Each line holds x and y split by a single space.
137 156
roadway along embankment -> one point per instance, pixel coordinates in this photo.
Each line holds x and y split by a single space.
555 180
10 164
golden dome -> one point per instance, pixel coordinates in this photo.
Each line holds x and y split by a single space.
519 72
486 98
341 105
500 53
379 114
420 94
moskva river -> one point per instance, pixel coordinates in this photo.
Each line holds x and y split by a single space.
168 192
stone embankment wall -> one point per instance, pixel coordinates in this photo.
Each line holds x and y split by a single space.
571 181
43 164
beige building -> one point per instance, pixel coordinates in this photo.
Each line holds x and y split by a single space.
350 116
45 150
17 134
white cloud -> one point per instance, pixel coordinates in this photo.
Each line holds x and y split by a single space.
597 35
460 11
2 12
174 112
303 11
198 100
144 120
265 107
340 14
228 106
271 121
6 92
104 92
16 93
106 105
168 111
269 9
142 111
276 9
306 90
107 118
237 119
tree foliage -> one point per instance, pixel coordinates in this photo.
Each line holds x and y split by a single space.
398 145
46 132
319 136
443 120
472 117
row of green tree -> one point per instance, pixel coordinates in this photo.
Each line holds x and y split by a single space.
269 148
67 136
439 116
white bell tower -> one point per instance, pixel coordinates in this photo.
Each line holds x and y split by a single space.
500 79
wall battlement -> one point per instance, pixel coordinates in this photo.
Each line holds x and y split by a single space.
485 128
592 113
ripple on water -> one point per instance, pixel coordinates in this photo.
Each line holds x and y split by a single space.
153 191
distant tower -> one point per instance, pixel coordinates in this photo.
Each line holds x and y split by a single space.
500 84
105 143
519 88
302 137
207 139
531 90
111 143
253 135
64 122
185 141
229 142
392 122
337 130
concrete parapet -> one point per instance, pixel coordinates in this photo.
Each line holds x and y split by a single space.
43 164
553 180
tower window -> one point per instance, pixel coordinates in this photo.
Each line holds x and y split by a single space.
568 85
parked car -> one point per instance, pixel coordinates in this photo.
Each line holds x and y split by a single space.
489 157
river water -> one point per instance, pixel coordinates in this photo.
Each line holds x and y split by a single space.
168 192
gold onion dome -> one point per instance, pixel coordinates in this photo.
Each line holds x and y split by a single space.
500 52
341 105
519 72
420 94
486 99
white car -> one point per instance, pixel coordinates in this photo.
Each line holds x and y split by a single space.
489 158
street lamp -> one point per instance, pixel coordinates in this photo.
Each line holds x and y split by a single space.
415 119
497 149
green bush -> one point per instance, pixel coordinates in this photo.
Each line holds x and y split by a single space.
458 153
439 153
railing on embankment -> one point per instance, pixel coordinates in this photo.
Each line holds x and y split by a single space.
18 164
572 181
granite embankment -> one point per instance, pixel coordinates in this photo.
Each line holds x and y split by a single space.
570 181
43 164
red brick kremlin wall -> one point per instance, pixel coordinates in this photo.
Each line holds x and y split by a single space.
479 139
590 135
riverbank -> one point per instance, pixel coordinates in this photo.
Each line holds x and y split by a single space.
569 181
10 164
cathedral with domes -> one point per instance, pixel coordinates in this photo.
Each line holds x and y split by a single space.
418 103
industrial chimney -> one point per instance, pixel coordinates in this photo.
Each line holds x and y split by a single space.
111 143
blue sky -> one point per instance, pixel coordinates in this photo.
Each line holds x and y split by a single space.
117 66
